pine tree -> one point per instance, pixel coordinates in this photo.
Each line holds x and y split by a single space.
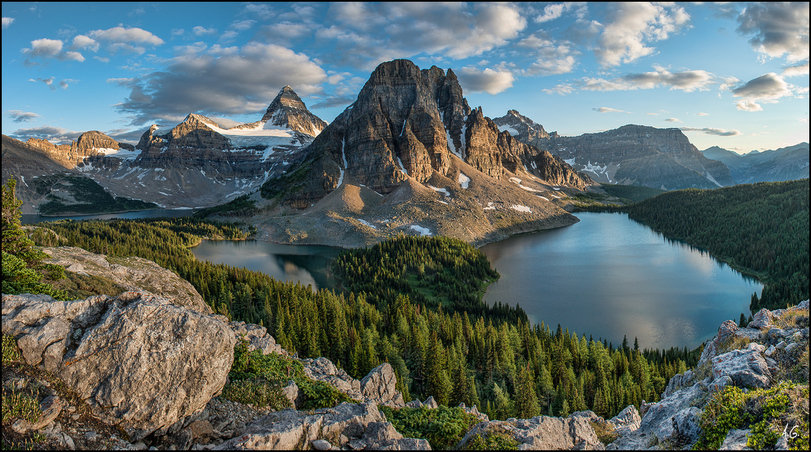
526 400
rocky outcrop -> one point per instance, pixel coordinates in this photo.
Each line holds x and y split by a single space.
288 110
641 155
131 273
88 144
357 426
137 360
750 357
541 432
379 386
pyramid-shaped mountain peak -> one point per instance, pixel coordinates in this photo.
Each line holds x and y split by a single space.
288 110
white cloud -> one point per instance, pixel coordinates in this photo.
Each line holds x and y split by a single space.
634 24
370 33
673 120
489 80
748 105
75 56
778 28
200 30
7 21
85 42
712 131
797 69
608 110
242 25
551 12
562 89
687 81
65 83
220 81
766 88
702 114
127 35
551 58
44 47
50 133
22 116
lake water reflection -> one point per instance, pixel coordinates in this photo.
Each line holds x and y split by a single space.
294 263
609 276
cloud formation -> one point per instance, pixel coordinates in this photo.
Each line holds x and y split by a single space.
712 131
7 21
22 116
608 110
489 80
50 133
766 88
220 81
797 69
687 81
634 24
777 28
551 58
124 39
370 33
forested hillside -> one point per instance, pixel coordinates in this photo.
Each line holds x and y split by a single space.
760 229
508 368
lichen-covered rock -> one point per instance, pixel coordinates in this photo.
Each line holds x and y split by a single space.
541 432
132 273
762 319
139 361
747 368
379 387
257 337
626 421
360 425
322 369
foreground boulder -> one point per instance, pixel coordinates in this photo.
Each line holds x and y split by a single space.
358 426
541 432
131 273
735 356
139 361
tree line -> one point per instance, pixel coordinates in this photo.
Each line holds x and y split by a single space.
489 357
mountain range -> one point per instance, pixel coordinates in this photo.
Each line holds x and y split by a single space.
409 155
777 165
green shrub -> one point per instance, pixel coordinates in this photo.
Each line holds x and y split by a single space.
492 441
19 405
257 392
766 412
257 379
11 353
443 427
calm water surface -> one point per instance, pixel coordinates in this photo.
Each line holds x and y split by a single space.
306 264
609 276
148 213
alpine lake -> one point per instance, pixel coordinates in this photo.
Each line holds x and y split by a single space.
606 276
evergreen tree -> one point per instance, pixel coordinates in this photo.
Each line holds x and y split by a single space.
526 400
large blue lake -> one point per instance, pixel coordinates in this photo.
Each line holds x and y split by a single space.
609 276
606 276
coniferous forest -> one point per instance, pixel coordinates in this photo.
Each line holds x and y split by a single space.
441 339
759 229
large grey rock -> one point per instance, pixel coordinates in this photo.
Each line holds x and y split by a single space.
626 421
747 367
360 425
139 361
379 386
762 319
132 273
679 381
541 432
322 369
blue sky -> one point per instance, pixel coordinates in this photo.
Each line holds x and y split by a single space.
733 75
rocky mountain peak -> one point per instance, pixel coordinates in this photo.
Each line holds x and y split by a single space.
521 126
92 140
288 110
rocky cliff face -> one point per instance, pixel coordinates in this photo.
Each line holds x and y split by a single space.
641 155
408 123
92 143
